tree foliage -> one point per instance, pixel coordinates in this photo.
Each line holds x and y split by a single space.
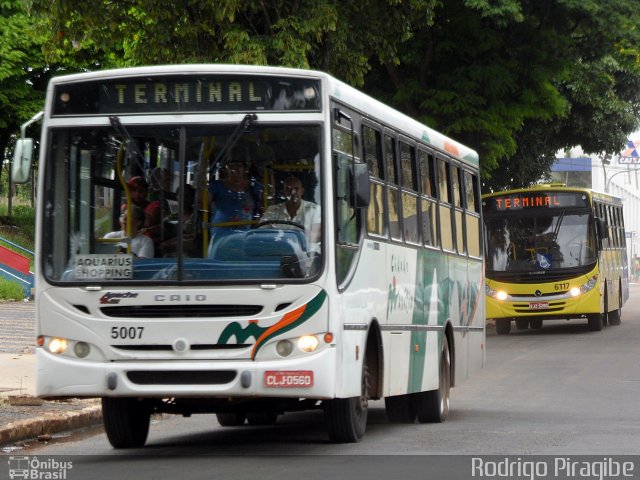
21 70
515 79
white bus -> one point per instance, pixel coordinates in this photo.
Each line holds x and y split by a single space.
245 318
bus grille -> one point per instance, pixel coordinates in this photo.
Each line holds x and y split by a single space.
172 311
177 377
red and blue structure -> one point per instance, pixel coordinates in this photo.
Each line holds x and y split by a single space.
15 267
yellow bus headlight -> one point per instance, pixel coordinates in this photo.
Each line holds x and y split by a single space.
497 294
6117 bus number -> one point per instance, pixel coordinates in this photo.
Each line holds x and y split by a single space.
126 333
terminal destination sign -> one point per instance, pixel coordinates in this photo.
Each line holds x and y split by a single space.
201 93
529 200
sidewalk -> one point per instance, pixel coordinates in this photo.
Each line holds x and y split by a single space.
22 416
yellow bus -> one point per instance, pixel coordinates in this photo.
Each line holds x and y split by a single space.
554 252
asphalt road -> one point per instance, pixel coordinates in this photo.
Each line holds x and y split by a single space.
561 390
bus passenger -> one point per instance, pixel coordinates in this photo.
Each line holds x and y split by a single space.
235 199
296 210
141 245
158 208
169 247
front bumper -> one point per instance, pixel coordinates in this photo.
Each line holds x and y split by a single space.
59 376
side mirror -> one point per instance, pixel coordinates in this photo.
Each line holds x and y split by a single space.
361 191
21 166
601 229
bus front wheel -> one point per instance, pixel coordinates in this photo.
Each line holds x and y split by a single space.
231 419
503 326
262 418
126 421
536 323
595 322
346 418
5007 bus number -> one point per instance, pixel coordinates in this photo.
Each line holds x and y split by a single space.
126 333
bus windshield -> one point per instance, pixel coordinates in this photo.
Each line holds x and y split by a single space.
550 241
195 203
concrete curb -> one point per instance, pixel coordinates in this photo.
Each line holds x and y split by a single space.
50 423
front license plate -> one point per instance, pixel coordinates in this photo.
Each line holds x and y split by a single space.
538 305
288 379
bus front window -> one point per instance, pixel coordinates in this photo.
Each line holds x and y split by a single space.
151 204
549 242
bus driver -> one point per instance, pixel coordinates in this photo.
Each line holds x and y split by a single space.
296 210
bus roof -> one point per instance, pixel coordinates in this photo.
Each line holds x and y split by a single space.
337 89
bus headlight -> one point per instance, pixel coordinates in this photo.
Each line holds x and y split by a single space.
284 348
69 347
58 345
497 294
575 291
308 343
81 349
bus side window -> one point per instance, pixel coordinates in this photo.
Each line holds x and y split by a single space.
408 170
393 193
372 153
444 194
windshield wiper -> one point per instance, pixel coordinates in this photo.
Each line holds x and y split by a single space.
118 127
243 127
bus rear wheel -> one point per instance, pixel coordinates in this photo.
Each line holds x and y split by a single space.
126 421
615 316
503 326
400 409
346 418
433 406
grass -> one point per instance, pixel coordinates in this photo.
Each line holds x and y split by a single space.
20 230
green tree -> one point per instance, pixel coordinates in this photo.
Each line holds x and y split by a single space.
22 74
518 80
25 72
340 37
514 79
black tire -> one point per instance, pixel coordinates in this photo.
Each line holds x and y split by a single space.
433 406
535 323
615 316
595 321
126 421
233 419
346 418
503 326
262 418
400 409
522 323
